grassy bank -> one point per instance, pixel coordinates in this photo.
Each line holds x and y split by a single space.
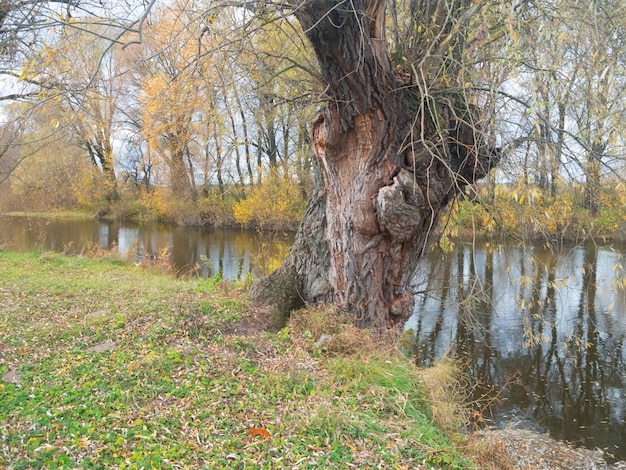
106 365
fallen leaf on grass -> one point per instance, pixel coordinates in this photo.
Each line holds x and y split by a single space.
103 347
253 432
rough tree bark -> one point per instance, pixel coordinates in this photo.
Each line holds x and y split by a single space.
389 160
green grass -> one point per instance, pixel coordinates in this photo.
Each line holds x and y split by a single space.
181 389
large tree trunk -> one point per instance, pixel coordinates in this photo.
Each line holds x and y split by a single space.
389 159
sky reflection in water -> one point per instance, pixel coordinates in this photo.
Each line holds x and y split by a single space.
545 326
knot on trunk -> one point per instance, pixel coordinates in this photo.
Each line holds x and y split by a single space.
398 207
402 307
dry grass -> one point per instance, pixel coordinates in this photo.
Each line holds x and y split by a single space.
334 331
443 384
444 387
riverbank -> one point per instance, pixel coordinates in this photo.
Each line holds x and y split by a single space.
105 364
507 216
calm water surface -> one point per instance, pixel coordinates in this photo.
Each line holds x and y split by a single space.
230 253
541 328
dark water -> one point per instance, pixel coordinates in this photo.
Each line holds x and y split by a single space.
541 329
230 253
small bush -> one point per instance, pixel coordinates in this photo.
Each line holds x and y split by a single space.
125 209
216 210
154 204
277 203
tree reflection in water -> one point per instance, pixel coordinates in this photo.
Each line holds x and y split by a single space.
227 253
545 326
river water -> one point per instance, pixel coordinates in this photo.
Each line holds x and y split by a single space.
540 330
229 253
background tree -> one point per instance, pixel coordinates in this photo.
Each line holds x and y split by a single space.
572 80
597 113
43 183
86 97
171 97
547 62
26 26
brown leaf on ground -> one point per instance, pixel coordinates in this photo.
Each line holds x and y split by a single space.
253 432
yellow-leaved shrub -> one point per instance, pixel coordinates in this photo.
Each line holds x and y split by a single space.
276 203
529 212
